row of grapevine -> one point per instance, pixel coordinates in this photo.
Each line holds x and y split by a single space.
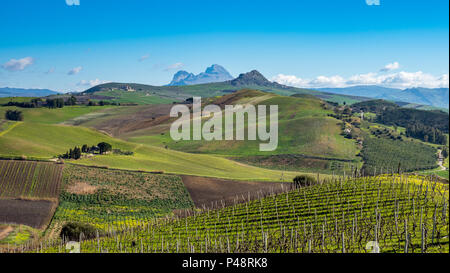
392 213
29 179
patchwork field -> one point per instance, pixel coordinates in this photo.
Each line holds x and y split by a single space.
32 180
113 199
29 192
213 192
45 141
304 128
394 214
33 213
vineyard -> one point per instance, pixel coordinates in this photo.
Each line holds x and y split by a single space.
385 155
388 213
117 199
26 179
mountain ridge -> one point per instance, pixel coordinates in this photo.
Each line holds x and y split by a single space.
25 92
213 73
437 97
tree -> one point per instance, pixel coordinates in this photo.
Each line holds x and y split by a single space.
303 180
55 103
84 148
14 115
72 100
445 152
104 147
76 153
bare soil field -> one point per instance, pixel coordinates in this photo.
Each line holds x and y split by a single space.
35 214
215 192
147 117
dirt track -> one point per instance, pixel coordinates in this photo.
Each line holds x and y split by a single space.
4 231
213 192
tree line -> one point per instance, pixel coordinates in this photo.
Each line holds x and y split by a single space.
56 103
77 152
426 133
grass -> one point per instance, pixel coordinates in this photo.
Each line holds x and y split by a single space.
304 128
21 234
135 97
149 158
43 141
52 116
5 100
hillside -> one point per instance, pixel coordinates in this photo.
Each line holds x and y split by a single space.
305 129
437 97
23 92
250 80
46 141
395 213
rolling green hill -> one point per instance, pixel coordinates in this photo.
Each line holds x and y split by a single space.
52 116
45 141
250 80
304 129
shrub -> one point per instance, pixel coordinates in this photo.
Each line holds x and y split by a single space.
14 115
303 181
73 230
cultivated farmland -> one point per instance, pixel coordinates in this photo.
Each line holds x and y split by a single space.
27 179
388 213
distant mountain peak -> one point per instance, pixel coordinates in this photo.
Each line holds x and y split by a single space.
214 73
254 77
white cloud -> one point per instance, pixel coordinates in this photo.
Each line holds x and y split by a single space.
391 66
73 2
18 65
91 83
394 80
143 58
174 66
75 70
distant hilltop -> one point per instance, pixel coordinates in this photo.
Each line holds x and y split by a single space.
23 92
214 73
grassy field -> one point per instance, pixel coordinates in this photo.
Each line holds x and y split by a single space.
304 128
17 235
52 116
398 214
135 97
5 100
148 158
36 140
44 141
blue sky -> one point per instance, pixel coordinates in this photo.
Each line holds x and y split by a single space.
312 43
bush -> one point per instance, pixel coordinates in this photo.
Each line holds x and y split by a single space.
303 181
72 231
104 147
14 115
